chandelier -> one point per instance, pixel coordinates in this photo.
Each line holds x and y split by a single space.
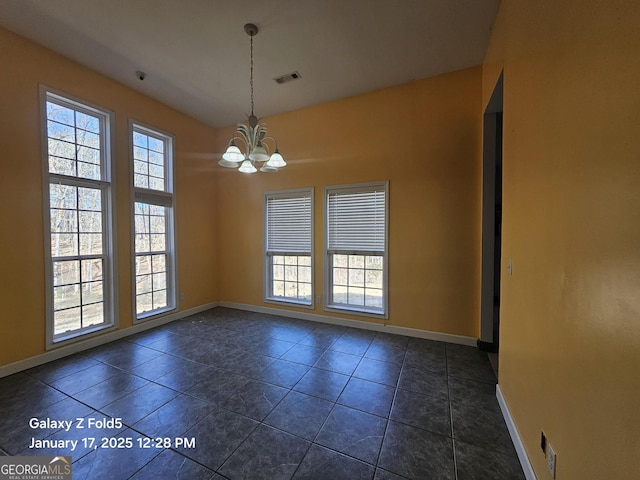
252 137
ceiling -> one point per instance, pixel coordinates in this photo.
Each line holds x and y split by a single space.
195 53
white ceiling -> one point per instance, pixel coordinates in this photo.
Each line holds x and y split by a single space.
196 54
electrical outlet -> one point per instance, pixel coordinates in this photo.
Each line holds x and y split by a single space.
318 300
181 296
510 267
551 460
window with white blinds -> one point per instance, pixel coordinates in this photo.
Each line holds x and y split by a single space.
289 245
356 240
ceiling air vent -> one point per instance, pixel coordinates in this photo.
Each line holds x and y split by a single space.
289 77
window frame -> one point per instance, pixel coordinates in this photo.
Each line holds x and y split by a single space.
164 198
106 186
268 255
328 304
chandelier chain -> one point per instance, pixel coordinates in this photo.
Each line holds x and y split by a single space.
251 77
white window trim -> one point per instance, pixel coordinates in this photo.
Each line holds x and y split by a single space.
110 292
165 198
328 277
297 192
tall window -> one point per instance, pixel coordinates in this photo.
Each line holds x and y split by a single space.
357 248
79 222
288 232
154 263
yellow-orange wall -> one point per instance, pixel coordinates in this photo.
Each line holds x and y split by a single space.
570 331
425 138
24 66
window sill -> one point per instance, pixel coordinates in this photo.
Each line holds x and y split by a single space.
154 313
78 335
292 303
365 312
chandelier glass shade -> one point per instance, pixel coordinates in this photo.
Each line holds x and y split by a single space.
248 149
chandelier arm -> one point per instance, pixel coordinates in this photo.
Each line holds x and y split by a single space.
265 145
237 135
243 129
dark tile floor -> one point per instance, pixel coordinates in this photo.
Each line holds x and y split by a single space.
264 397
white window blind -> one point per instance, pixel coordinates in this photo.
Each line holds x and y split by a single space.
288 223
357 219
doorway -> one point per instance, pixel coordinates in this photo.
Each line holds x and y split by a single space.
491 223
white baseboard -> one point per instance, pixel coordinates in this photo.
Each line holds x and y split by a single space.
378 327
82 345
515 437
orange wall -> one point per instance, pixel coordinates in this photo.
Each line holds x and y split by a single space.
570 330
424 137
24 67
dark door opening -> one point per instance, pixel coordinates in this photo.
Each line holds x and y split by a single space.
491 222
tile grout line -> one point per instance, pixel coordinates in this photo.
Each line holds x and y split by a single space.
453 440
393 401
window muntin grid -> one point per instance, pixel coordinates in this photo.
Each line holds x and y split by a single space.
357 280
74 142
151 253
149 162
78 292
78 225
291 277
153 225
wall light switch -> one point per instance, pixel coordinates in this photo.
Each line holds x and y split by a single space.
510 267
